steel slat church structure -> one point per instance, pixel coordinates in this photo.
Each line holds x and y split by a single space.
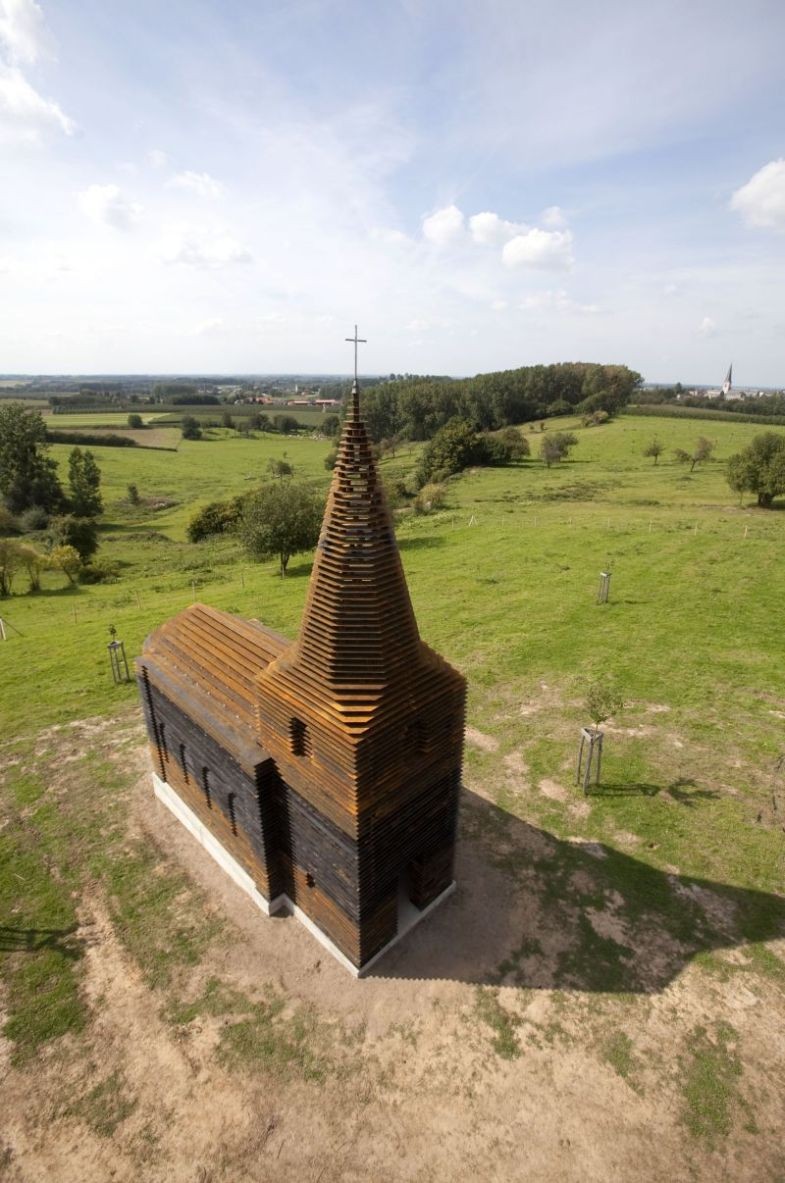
323 774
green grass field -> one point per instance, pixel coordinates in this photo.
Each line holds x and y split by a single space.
503 580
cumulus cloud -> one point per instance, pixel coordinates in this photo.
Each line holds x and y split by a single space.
488 229
549 250
761 202
106 205
23 33
210 248
554 218
707 327
200 183
443 226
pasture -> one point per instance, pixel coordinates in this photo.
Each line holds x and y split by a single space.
603 997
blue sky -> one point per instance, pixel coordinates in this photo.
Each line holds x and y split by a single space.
204 186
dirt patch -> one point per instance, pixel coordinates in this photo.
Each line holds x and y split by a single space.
486 743
553 790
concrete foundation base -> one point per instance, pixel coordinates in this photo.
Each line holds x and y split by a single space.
409 916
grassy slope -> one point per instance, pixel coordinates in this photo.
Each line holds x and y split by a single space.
503 582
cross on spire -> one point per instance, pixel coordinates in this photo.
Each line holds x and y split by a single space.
356 341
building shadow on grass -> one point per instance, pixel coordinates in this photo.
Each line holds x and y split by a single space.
538 912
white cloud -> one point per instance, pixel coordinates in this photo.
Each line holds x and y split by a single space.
107 205
761 202
208 247
157 158
200 183
488 229
549 250
559 300
22 30
554 218
499 305
207 328
707 327
443 226
24 113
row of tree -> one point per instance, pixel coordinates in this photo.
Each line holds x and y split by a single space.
416 408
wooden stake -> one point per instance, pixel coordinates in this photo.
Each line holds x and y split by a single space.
2 629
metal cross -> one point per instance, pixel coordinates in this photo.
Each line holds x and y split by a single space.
357 341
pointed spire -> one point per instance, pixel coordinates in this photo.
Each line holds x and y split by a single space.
358 626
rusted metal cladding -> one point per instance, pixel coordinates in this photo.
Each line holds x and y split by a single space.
336 759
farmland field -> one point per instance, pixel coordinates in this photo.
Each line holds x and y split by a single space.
604 996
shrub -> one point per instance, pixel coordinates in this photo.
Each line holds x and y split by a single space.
102 571
135 420
219 517
8 523
430 497
557 446
190 428
331 459
133 495
33 519
79 533
286 424
280 468
517 445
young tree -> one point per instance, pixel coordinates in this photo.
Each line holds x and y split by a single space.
227 420
10 561
135 420
331 425
28 476
84 481
760 468
702 450
190 428
133 495
67 560
33 562
603 700
280 520
654 448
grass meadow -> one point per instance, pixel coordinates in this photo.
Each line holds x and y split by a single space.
688 820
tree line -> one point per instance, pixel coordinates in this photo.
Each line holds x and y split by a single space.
416 408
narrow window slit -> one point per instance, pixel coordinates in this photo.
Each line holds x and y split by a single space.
299 739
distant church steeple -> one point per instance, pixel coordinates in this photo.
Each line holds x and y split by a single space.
728 383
